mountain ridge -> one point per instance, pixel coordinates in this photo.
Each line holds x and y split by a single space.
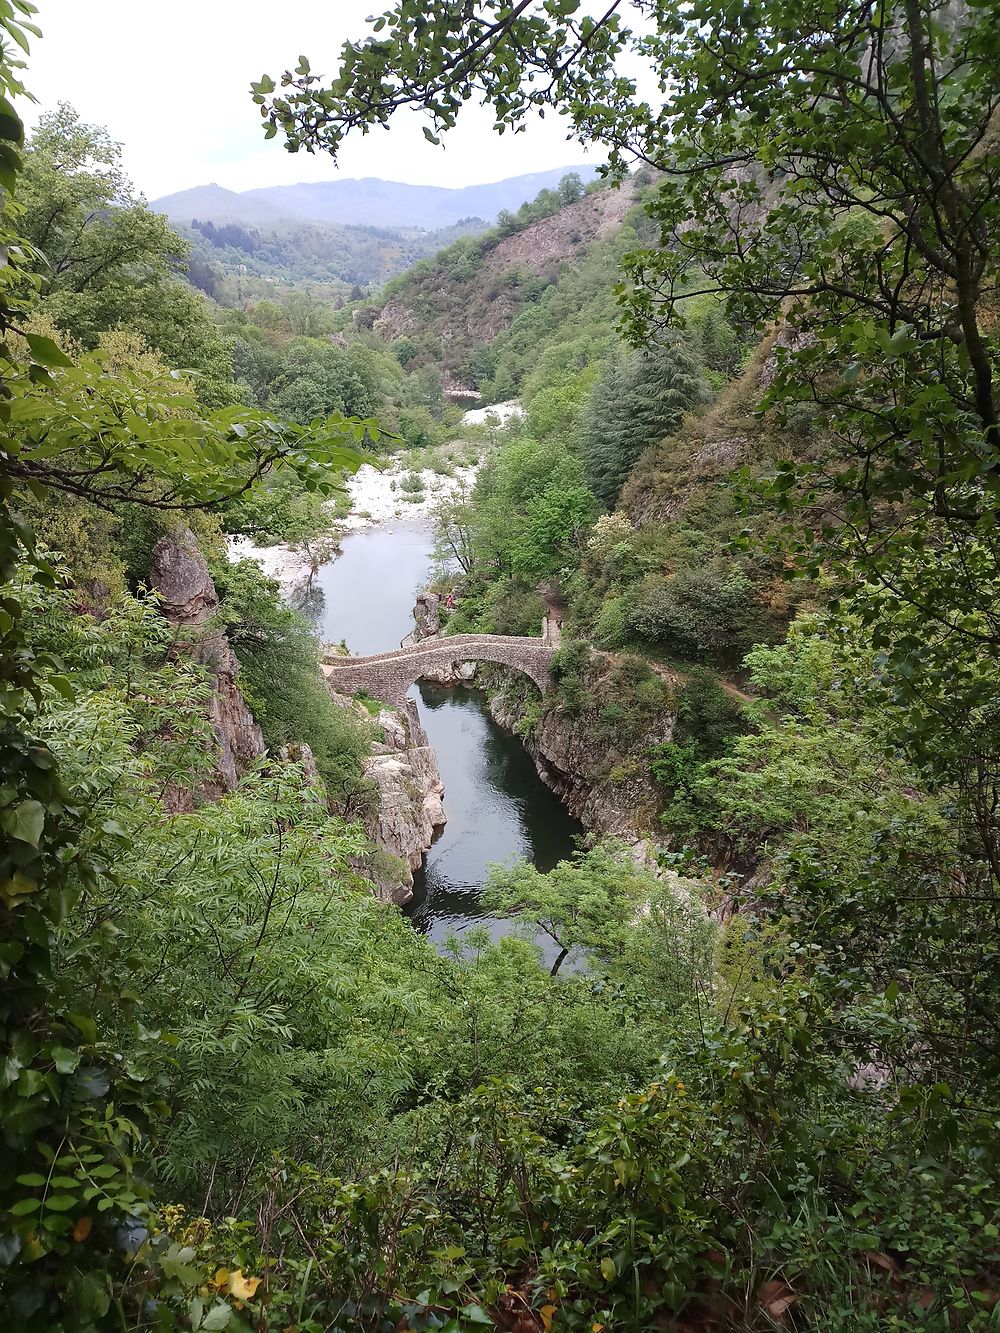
365 201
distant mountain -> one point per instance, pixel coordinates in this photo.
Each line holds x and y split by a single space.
368 202
212 203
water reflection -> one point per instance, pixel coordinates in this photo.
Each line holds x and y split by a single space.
499 811
309 599
498 808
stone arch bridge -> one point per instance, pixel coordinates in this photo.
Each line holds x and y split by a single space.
387 676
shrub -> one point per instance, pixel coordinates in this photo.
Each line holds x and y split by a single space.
567 670
512 607
418 427
635 700
699 611
708 717
412 483
280 677
611 624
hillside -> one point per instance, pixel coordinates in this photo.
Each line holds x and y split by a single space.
219 204
290 253
463 308
368 202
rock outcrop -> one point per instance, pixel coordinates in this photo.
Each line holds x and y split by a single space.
408 810
462 310
619 803
427 625
188 599
426 618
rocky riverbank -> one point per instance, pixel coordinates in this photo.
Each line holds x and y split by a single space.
615 800
408 809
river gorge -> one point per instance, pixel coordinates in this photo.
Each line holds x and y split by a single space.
498 809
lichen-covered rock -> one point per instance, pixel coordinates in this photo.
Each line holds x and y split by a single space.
300 753
404 772
409 809
188 599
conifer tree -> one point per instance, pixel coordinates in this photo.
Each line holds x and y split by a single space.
639 399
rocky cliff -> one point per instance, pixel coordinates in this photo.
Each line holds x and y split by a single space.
179 574
463 301
401 766
611 796
408 810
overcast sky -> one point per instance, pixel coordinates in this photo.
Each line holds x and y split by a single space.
171 82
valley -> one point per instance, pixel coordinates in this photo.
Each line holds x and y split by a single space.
499 691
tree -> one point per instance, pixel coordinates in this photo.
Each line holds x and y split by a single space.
638 400
835 166
588 905
110 426
842 157
123 429
107 258
570 188
318 378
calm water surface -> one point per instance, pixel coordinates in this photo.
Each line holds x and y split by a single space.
499 810
366 595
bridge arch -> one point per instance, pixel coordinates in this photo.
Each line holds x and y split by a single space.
387 676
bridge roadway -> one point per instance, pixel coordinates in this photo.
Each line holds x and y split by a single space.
387 676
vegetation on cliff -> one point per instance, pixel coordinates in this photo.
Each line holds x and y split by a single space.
237 1091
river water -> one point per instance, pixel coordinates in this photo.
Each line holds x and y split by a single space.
498 809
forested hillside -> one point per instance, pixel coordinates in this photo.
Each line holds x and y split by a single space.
233 263
734 1066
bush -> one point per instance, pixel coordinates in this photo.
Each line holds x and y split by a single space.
418 427
611 625
567 670
708 717
634 699
699 611
512 607
280 677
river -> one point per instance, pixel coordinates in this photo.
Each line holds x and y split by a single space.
498 809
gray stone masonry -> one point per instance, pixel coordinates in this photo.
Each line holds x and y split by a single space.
387 676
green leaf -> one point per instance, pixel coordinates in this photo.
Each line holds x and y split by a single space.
11 127
65 1059
46 351
25 822
63 686
25 1206
218 1317
60 1203
33 1180
608 1269
85 1025
476 1315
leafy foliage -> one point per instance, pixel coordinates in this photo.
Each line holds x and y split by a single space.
108 260
280 678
